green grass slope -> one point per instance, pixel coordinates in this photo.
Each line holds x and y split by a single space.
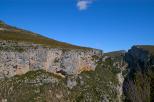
8 32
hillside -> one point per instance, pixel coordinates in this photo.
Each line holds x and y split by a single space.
115 53
34 68
8 32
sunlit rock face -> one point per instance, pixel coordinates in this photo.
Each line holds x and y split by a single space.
75 74
17 58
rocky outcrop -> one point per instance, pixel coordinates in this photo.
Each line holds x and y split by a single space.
136 78
78 74
138 85
120 64
96 73
137 54
17 58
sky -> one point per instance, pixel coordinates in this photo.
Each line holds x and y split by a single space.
109 25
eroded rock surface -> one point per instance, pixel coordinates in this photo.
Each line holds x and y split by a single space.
18 58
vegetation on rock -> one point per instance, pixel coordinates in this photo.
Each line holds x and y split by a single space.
41 86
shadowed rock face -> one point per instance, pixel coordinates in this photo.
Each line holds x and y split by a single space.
137 78
138 85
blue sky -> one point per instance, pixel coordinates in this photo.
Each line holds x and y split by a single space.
104 24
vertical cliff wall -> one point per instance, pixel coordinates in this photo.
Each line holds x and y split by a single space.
17 58
138 85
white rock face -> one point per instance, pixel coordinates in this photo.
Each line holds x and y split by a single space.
34 57
3 29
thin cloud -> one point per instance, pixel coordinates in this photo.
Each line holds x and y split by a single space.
84 4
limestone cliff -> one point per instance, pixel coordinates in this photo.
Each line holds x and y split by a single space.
17 58
22 51
34 68
54 71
